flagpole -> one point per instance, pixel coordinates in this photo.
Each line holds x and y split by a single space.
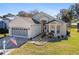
4 46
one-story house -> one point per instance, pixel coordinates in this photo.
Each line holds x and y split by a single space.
30 27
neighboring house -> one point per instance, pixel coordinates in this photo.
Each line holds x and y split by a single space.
57 27
8 19
24 27
3 27
2 24
74 25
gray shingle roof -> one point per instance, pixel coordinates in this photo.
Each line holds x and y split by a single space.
35 21
24 22
42 16
57 21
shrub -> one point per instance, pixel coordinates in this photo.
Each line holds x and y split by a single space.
58 37
50 36
62 36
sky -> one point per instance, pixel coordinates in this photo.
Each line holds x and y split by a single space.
49 8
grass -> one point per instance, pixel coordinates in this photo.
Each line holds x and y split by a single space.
64 47
2 35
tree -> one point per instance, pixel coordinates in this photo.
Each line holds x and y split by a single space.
75 10
64 13
67 16
24 14
34 12
8 15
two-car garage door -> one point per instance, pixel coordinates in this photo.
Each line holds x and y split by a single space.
20 32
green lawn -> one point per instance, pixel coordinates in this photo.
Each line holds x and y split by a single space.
65 47
2 35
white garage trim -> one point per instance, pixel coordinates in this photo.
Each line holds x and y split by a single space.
19 32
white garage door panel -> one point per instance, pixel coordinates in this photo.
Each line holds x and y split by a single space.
19 32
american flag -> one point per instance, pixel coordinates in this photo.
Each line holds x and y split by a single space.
13 40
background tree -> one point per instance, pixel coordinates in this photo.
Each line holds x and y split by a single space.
66 15
75 10
76 7
8 15
28 14
24 14
34 12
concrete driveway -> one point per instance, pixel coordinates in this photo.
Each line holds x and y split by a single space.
10 45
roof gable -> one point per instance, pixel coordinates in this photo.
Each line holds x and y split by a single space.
21 22
42 16
57 21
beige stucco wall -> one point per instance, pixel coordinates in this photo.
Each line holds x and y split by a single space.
34 30
63 29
